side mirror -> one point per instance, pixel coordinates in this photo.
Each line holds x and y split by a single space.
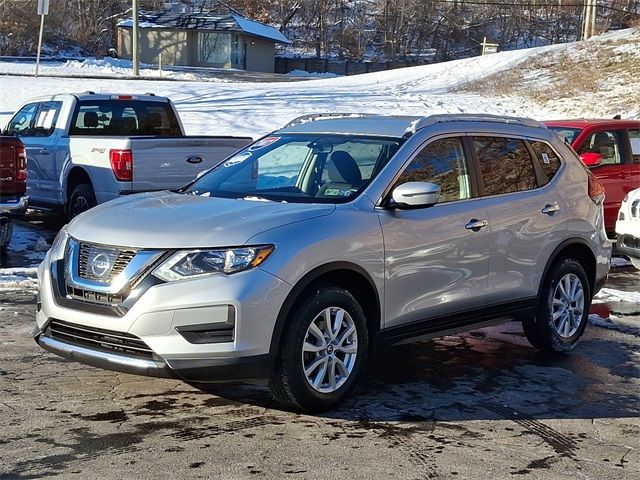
591 159
415 195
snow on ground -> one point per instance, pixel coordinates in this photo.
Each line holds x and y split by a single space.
244 108
23 279
613 295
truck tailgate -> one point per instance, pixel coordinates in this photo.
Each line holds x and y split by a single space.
162 163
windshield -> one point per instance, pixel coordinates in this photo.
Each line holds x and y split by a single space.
299 168
124 117
567 134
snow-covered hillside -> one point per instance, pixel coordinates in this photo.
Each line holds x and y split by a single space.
510 83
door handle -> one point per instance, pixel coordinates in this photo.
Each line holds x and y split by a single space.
550 209
43 151
476 225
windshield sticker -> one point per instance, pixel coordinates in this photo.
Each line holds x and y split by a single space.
545 159
334 192
265 142
236 159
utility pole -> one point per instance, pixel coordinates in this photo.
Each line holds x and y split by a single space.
589 22
134 40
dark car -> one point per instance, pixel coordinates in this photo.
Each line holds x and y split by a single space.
13 185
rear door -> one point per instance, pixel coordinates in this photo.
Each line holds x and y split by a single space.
169 163
526 213
435 263
614 171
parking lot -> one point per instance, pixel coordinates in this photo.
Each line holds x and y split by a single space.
482 404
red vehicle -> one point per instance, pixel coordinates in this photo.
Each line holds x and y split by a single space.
13 185
611 149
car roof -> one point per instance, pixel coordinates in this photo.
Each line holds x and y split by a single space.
589 122
396 126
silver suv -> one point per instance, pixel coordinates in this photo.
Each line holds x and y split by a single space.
294 258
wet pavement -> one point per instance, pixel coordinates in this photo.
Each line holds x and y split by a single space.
483 404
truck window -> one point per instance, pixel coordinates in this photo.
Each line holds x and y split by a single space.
46 119
606 144
567 134
634 138
124 118
22 121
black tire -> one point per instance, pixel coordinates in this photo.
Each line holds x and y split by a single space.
6 231
541 331
288 382
82 199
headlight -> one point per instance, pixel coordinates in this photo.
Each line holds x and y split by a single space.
198 263
56 252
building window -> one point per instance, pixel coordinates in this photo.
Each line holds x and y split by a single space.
214 48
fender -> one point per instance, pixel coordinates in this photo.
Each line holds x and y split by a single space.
302 284
556 252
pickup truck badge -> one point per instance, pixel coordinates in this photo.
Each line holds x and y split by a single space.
195 159
100 265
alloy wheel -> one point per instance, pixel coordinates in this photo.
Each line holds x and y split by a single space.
330 350
568 305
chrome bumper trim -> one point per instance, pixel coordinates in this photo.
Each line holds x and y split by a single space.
15 206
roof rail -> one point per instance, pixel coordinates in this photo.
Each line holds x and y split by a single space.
89 92
471 117
150 94
312 117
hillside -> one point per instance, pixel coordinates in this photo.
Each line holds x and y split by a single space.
594 78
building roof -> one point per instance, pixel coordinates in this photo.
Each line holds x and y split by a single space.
207 21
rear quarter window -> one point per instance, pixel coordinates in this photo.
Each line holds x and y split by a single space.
547 158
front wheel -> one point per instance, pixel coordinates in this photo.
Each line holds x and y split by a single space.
82 199
563 312
323 350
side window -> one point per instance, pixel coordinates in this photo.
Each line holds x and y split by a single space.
46 119
22 121
441 162
547 158
634 138
505 164
606 144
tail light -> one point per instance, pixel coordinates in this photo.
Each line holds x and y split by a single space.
596 190
122 164
21 173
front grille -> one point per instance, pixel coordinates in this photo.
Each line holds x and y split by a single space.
90 296
118 259
99 339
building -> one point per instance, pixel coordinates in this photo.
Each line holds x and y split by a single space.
202 40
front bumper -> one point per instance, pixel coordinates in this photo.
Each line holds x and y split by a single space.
183 324
14 206
628 245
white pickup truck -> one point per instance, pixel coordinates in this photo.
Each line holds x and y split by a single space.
90 148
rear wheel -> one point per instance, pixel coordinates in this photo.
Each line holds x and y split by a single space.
564 308
82 199
6 231
322 353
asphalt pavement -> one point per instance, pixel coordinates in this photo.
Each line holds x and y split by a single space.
481 405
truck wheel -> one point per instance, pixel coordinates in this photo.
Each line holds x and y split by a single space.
82 199
323 350
563 312
6 230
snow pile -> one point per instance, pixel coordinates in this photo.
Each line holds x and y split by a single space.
305 74
23 279
612 295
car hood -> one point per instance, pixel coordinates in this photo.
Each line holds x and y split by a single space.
171 220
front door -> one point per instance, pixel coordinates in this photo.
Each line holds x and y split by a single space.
436 264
